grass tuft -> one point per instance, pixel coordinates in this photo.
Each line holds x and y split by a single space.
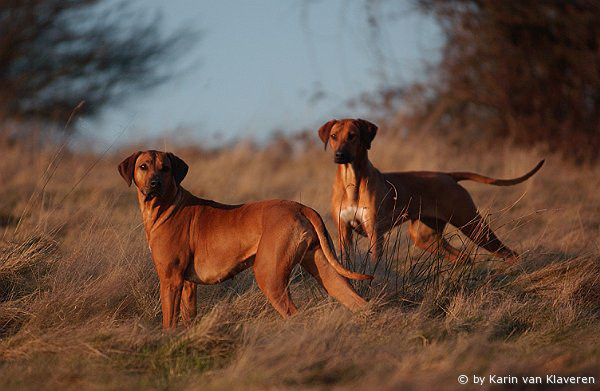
79 302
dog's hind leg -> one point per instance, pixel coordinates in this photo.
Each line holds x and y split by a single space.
427 234
275 259
481 234
333 283
469 221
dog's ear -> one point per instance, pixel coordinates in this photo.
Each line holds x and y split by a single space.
368 130
325 130
127 167
179 167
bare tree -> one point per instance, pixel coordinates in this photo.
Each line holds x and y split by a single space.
56 53
525 71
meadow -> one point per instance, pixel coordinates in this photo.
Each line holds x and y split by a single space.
79 305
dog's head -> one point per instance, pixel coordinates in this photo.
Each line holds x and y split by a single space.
349 138
156 174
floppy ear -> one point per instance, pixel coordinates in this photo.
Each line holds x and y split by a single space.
127 167
368 130
325 130
179 167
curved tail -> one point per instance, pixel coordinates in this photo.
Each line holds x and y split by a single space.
471 176
325 242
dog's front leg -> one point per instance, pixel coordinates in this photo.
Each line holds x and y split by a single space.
188 302
170 297
375 242
345 237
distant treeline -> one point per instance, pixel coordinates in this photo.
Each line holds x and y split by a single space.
524 71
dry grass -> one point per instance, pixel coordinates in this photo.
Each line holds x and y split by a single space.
79 301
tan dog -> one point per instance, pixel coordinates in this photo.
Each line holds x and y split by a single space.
371 203
195 241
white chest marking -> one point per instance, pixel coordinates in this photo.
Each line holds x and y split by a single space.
353 215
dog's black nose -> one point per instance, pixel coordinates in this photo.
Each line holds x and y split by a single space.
341 157
154 183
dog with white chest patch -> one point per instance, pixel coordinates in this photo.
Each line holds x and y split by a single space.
371 203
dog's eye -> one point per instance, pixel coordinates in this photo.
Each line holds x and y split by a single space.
351 136
334 136
143 167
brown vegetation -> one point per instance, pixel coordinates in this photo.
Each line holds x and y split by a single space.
79 302
526 71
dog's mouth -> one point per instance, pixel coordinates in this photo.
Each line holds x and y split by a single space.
149 194
342 160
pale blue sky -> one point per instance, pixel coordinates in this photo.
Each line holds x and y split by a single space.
258 63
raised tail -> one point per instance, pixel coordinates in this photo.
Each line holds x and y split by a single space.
325 242
471 176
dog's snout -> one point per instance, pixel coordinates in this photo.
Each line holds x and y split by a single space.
342 157
155 182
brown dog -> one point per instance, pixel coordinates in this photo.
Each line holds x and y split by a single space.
372 203
196 241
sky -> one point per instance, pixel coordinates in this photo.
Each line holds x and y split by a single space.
270 65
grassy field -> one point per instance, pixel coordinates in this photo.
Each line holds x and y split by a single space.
79 304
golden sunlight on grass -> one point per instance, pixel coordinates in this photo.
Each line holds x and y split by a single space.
79 303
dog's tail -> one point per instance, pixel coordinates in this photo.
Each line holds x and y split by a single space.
471 176
326 245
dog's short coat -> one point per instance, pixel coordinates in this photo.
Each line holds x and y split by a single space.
196 241
371 203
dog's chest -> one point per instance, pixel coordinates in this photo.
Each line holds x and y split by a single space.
353 215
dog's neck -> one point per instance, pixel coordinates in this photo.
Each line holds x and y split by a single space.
158 210
356 175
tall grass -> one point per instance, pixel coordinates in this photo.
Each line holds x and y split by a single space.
79 304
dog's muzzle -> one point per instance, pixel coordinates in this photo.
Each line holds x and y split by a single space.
341 158
152 191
